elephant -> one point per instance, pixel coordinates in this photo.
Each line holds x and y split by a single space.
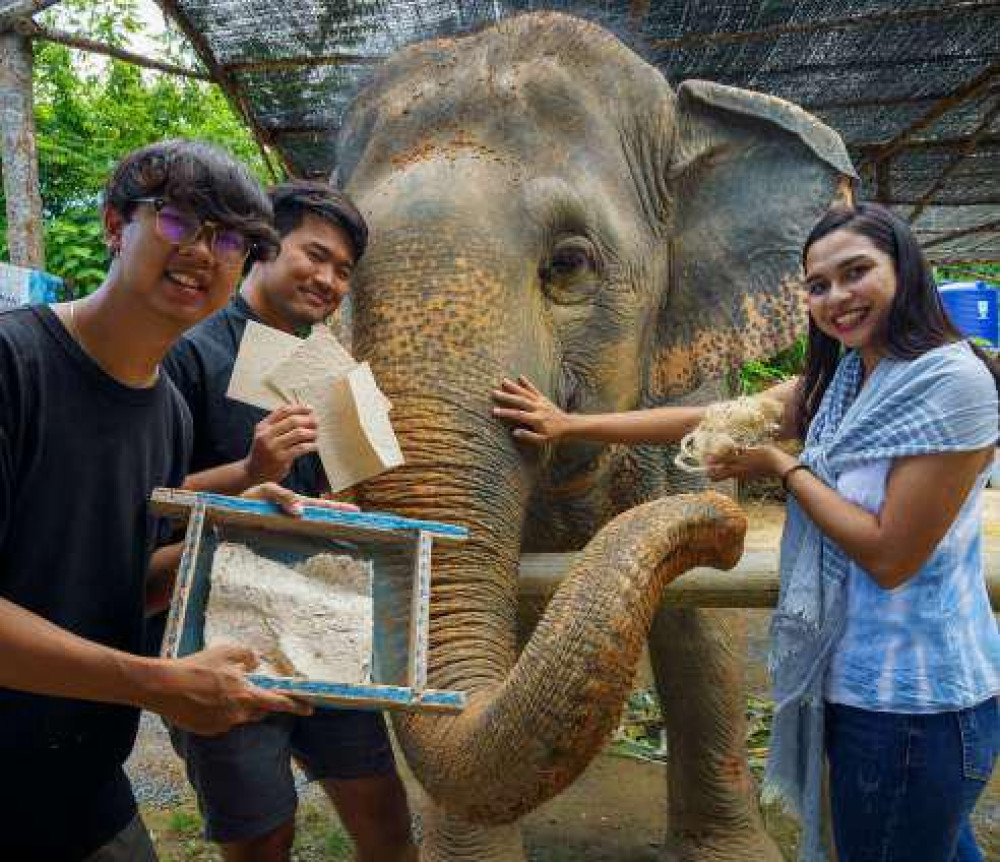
543 202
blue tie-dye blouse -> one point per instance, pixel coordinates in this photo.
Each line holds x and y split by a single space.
930 645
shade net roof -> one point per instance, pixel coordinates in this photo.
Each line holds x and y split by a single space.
913 87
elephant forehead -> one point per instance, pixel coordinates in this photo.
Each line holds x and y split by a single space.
534 110
537 86
456 275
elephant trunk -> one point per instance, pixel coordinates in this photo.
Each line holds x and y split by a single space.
534 722
526 739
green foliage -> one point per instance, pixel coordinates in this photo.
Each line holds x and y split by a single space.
89 112
760 374
336 844
74 249
185 822
760 714
641 733
988 272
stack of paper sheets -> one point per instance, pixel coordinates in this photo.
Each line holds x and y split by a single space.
355 439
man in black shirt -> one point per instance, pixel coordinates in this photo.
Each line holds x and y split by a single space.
88 427
243 778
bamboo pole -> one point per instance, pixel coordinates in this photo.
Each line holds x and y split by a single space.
983 82
988 227
272 64
958 157
236 96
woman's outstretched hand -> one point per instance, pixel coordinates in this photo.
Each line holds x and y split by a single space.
750 463
536 419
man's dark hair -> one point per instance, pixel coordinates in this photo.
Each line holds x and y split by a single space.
917 320
202 178
294 200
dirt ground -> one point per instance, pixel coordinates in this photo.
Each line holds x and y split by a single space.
614 813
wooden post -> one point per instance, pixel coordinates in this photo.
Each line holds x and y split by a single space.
20 159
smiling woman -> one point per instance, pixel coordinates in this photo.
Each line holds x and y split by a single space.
869 288
852 303
899 418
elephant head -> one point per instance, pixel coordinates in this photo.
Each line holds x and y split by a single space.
542 202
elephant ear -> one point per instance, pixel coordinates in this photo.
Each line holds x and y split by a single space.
749 177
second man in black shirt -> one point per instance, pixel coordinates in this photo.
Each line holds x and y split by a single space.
243 779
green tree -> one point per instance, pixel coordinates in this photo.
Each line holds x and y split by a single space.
90 111
988 272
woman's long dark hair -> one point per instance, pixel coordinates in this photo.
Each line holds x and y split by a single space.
917 321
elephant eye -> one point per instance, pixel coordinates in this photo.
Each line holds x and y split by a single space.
571 258
564 273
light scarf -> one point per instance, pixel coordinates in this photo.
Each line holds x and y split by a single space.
907 407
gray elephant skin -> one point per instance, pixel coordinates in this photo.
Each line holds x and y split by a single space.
543 202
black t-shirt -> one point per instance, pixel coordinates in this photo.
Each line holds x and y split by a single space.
201 364
79 455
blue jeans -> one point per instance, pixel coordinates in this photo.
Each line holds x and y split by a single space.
902 786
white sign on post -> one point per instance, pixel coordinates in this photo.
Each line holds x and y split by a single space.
21 286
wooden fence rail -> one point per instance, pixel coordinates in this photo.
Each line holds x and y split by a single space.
753 583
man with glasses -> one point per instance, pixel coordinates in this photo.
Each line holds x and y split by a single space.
243 778
88 427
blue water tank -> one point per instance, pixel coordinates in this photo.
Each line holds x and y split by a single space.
972 307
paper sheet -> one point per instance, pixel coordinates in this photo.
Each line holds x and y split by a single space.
373 412
356 440
261 349
318 356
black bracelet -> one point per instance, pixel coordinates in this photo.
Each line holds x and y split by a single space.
788 472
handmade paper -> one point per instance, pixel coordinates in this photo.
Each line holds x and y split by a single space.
320 355
311 620
261 349
355 439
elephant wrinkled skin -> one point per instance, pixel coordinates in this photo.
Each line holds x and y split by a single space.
543 203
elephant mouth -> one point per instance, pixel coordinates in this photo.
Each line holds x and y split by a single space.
584 478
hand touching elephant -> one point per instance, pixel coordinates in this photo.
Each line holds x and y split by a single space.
543 203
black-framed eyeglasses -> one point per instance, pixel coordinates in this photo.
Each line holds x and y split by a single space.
228 245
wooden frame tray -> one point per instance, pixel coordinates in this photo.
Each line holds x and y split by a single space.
399 550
